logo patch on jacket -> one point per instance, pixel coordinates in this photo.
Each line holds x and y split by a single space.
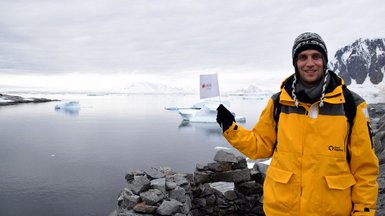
335 148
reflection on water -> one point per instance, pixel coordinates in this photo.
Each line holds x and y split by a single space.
76 166
209 129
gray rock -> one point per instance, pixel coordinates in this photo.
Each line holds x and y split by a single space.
208 210
178 194
170 185
129 177
167 170
179 179
159 184
231 195
222 203
379 142
376 111
135 172
154 173
222 156
199 203
189 177
139 184
152 196
241 163
201 167
186 208
201 177
220 167
249 188
222 187
169 207
143 208
380 210
206 190
129 200
257 176
210 200
236 176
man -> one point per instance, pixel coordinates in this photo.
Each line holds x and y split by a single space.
321 164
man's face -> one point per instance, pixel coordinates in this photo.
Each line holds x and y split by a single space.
310 66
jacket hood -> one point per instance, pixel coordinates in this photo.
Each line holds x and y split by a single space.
335 81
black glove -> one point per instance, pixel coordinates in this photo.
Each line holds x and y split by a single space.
224 117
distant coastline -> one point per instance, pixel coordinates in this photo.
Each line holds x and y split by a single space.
6 99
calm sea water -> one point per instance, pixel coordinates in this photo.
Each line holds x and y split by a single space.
60 164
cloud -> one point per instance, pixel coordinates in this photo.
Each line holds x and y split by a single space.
172 37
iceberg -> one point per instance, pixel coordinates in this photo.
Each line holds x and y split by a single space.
207 113
72 107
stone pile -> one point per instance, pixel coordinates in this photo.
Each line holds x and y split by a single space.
156 191
227 187
224 187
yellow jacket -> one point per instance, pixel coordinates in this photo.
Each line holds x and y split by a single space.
309 173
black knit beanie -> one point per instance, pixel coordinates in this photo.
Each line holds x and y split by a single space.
309 40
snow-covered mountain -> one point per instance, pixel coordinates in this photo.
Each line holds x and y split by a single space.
252 89
363 60
154 88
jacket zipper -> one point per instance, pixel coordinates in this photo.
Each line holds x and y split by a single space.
303 146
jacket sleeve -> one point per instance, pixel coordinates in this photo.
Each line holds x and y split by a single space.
258 142
363 164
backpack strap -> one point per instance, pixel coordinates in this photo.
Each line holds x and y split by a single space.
277 108
350 113
349 106
276 112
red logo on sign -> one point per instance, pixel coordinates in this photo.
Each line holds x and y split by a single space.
206 85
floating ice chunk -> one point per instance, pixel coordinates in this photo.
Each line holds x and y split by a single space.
71 107
207 114
222 148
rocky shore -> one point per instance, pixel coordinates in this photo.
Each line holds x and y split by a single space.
12 100
224 187
377 114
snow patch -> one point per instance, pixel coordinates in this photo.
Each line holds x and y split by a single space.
379 52
2 100
365 47
368 91
345 56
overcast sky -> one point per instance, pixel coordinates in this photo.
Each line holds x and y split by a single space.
104 43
